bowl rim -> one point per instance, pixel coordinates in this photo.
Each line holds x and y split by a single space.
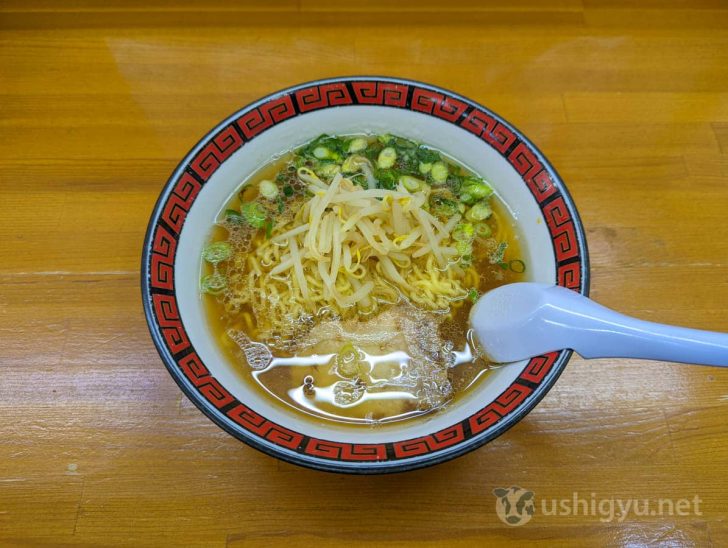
387 465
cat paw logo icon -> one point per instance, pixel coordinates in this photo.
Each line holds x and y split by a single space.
514 506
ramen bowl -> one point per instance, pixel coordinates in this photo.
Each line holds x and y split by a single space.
552 238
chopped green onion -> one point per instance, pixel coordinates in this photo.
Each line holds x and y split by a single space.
473 295
405 144
357 145
455 182
475 190
217 252
324 147
323 153
384 138
214 283
483 230
411 183
353 163
387 178
464 232
253 213
517 266
386 158
328 171
268 189
288 191
406 155
479 212
427 155
464 247
442 207
359 179
424 168
439 172
233 216
372 151
499 253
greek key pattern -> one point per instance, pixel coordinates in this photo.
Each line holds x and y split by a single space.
274 433
511 398
569 275
183 194
380 93
561 226
214 153
439 440
167 313
346 451
164 247
538 367
266 115
437 104
492 131
326 95
197 373
255 120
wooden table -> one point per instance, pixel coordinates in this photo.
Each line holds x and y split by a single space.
101 99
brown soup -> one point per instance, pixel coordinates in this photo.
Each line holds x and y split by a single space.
350 304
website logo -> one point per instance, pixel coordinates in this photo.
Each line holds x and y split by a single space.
514 506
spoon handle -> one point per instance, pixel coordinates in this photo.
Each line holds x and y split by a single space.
596 331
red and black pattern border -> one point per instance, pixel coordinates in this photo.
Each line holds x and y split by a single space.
165 227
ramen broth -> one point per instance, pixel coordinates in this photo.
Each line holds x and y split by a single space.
401 361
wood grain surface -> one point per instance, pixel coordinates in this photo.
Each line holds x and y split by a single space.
100 100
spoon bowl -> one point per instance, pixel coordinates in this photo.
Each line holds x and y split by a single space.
518 321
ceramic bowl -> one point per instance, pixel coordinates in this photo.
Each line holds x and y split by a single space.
554 246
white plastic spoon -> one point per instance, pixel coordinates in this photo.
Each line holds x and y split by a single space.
518 321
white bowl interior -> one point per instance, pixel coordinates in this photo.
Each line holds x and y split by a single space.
454 141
